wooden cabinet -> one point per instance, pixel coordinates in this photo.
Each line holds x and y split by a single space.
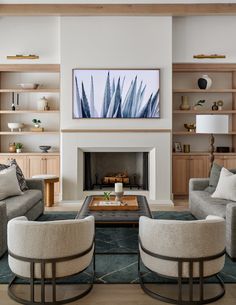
36 164
228 162
185 167
21 161
39 165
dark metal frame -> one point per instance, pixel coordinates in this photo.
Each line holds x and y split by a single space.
191 279
52 280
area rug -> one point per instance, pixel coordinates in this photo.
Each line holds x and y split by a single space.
122 266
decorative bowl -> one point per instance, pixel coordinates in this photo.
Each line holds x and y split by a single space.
13 126
44 148
28 85
190 127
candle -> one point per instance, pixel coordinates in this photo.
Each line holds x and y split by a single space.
118 187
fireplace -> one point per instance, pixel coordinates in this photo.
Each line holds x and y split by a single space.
157 145
103 169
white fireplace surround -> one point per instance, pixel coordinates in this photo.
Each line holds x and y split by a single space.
74 144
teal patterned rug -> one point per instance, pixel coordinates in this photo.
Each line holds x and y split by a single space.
121 267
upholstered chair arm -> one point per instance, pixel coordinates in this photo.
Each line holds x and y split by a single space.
36 184
231 229
3 228
198 184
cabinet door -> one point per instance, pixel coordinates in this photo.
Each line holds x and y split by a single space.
230 162
219 160
4 159
180 175
52 165
35 166
21 161
199 166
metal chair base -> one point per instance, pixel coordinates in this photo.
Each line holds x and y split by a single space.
18 299
180 301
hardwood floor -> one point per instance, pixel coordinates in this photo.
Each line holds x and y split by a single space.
117 294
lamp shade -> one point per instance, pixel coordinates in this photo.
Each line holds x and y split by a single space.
212 123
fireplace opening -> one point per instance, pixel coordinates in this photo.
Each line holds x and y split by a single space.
103 169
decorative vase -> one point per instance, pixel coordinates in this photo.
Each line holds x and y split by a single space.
18 150
204 82
12 148
42 103
184 104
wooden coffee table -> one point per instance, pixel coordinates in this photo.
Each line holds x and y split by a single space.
116 217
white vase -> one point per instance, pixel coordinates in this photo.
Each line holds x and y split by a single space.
204 82
42 103
18 150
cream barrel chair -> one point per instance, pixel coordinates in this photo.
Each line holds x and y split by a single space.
43 252
188 251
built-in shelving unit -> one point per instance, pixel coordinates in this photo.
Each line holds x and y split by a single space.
48 78
196 163
32 161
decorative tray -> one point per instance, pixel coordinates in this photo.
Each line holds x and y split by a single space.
128 203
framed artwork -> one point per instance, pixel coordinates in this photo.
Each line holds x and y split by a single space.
116 93
177 147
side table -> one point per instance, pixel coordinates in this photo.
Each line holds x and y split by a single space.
49 181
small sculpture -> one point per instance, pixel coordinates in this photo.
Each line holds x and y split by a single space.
204 82
190 127
220 104
199 103
214 106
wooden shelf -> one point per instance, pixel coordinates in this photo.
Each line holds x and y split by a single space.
38 68
184 90
204 112
203 153
22 133
56 90
186 133
30 154
28 111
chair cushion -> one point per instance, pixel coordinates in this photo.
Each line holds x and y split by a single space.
205 205
19 205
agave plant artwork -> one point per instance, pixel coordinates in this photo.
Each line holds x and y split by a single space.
116 93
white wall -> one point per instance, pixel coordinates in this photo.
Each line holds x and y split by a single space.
116 42
204 35
30 35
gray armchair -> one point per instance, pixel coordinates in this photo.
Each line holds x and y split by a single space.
202 204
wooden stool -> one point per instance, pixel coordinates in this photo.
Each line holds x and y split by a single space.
49 181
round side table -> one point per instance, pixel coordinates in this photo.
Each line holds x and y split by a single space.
49 181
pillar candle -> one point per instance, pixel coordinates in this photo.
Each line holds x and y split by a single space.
118 187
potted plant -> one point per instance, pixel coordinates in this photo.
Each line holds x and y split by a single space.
107 195
19 147
36 123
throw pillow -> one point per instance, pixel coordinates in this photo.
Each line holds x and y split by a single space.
214 177
226 187
9 185
19 174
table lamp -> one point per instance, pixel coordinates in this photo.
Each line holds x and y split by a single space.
212 124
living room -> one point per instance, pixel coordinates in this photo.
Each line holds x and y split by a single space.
45 46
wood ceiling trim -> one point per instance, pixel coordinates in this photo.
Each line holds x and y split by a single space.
117 9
